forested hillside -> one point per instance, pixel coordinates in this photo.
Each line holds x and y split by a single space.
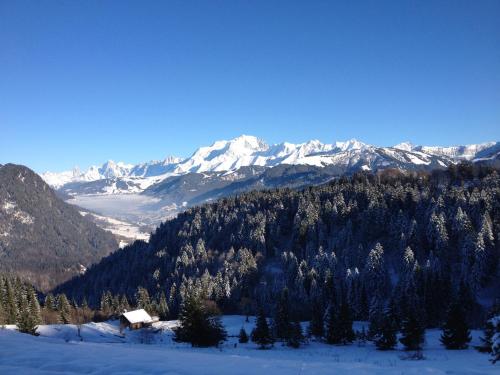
43 239
408 241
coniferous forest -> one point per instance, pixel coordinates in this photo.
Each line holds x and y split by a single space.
410 244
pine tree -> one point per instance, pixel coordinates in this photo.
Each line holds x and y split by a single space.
495 341
317 324
261 334
27 322
49 303
242 337
386 337
282 326
413 331
142 299
332 333
489 329
34 305
163 312
64 309
11 309
456 333
346 332
296 337
197 326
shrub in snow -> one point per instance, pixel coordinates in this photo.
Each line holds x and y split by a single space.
243 337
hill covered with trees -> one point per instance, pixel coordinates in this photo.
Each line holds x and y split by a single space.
408 243
43 239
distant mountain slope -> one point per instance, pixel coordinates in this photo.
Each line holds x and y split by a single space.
41 237
248 151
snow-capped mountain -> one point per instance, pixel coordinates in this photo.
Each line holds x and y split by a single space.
230 155
467 152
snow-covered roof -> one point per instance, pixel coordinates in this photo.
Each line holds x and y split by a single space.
137 316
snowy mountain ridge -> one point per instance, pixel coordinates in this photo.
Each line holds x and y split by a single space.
245 150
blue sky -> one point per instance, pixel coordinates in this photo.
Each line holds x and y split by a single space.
86 81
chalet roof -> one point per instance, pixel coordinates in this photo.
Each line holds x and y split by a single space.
138 316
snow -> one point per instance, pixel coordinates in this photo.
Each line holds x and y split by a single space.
405 146
246 150
416 160
135 208
99 348
10 208
138 316
130 232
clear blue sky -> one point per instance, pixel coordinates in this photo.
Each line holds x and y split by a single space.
85 81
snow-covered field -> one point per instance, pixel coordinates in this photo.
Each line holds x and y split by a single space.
125 232
99 348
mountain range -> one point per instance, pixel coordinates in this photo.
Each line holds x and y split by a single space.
229 156
148 193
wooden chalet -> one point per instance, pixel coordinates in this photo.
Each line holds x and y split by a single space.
136 319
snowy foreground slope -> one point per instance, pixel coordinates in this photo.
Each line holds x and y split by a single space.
60 349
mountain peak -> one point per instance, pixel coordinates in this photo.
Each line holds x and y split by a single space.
351 144
405 146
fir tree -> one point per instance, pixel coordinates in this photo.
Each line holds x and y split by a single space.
346 333
317 324
34 305
242 337
197 326
413 331
495 342
142 299
163 312
49 303
64 309
489 329
27 320
11 309
386 337
332 332
296 337
456 333
282 326
261 334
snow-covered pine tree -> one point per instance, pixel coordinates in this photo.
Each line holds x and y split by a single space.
489 329
27 320
163 312
64 309
495 340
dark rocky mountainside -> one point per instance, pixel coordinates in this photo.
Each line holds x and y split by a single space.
42 238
